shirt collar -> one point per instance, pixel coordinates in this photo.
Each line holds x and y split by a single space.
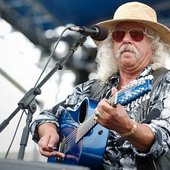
115 77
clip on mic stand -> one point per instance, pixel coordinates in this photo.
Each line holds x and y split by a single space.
28 101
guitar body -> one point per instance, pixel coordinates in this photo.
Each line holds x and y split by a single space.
85 144
89 150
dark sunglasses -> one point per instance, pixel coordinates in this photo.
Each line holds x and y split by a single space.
136 34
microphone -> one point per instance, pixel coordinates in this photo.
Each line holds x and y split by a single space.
95 32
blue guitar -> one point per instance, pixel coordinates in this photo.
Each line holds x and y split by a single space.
86 144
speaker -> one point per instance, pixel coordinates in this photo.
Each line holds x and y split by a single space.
12 164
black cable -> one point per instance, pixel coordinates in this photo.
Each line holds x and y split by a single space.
51 55
6 155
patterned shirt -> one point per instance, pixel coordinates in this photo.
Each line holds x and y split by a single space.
120 154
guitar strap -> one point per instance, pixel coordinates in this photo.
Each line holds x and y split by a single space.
99 89
155 112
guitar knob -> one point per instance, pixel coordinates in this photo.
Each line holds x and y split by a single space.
100 132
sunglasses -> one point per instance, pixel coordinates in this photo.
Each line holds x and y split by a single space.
136 34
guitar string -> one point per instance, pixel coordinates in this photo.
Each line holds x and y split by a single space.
70 137
79 130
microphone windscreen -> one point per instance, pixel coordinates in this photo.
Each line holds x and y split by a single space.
102 33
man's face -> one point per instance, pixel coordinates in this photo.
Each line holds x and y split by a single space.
131 47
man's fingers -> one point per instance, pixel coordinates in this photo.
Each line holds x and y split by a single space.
53 140
51 153
48 142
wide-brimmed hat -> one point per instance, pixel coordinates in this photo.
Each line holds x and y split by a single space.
137 12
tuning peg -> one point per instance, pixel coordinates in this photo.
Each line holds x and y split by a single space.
134 82
150 77
128 107
146 97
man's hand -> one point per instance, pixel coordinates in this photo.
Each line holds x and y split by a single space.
49 139
113 117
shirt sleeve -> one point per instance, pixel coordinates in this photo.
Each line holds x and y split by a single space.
72 102
160 101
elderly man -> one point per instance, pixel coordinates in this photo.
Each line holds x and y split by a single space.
137 46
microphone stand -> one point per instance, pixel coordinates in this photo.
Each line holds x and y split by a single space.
28 101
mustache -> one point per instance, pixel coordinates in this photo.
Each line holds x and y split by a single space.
128 48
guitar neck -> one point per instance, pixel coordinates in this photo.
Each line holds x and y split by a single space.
85 127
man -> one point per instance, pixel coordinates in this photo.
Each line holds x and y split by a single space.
137 46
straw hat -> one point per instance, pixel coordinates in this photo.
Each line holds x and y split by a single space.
138 12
